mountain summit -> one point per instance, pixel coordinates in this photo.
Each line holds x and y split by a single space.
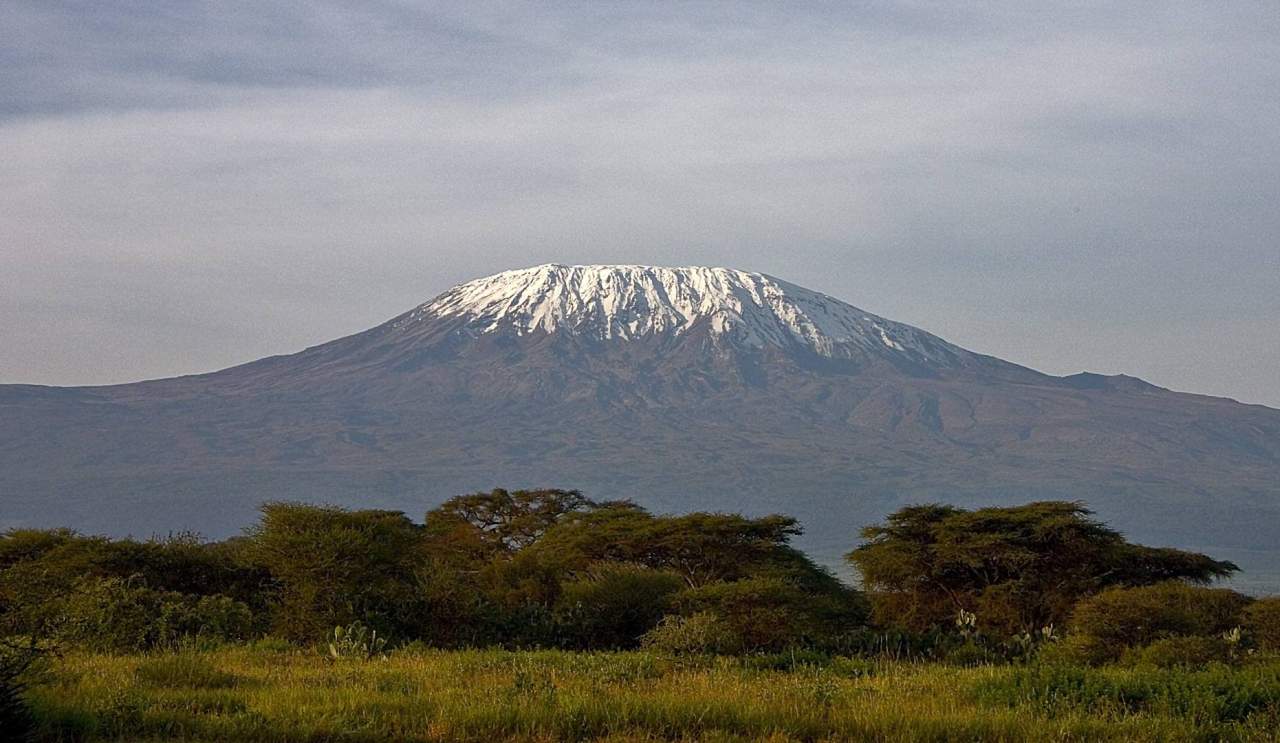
682 388
750 310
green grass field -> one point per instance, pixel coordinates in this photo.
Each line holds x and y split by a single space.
261 693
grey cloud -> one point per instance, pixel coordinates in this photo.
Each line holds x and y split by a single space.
1085 187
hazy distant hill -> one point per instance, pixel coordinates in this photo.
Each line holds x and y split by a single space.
684 388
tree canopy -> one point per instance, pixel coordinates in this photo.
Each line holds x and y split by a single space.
1017 568
553 568
334 566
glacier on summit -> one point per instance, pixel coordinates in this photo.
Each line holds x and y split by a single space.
626 302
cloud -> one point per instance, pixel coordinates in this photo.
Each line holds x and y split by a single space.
206 183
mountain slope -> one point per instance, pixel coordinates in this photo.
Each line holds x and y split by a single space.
681 388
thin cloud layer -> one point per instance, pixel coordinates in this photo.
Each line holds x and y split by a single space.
192 185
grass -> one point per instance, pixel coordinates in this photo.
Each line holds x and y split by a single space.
272 694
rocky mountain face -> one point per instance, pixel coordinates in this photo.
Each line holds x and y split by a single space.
682 388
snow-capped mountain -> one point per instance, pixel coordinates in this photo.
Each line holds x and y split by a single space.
683 388
745 309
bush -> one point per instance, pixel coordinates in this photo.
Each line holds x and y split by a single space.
333 567
39 570
698 634
769 613
37 567
216 618
116 615
613 605
971 653
1182 652
451 610
1121 618
109 615
1077 649
1261 620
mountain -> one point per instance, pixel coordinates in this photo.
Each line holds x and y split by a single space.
683 388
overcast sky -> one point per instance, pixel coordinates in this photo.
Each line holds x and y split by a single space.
187 185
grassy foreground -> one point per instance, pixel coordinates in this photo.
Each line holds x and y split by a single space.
260 693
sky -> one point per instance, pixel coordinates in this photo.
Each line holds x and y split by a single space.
185 186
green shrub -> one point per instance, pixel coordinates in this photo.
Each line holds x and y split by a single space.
773 612
36 569
613 604
1261 620
522 625
1076 649
206 620
1121 618
109 615
698 634
40 570
971 653
1181 652
112 614
333 567
450 609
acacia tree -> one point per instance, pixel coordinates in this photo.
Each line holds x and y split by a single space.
334 566
702 548
1017 568
500 522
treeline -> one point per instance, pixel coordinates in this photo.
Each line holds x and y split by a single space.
552 568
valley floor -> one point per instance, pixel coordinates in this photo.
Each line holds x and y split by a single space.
268 693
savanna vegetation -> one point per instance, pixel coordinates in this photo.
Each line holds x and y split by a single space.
544 615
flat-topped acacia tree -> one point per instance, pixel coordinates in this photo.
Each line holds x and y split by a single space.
1018 568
